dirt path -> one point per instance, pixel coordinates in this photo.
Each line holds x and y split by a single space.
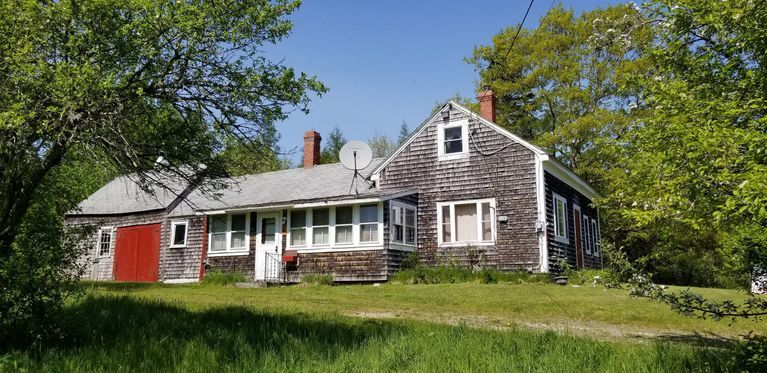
597 330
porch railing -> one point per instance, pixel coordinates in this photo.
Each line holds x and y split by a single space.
273 267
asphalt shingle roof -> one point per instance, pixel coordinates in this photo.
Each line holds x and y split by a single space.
323 182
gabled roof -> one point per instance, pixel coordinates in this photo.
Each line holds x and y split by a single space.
551 164
288 187
123 195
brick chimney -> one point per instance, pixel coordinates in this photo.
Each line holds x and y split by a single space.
312 141
487 104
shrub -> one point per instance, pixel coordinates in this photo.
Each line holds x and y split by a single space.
750 355
454 274
317 280
221 278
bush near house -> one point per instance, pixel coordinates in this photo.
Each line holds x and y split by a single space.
452 275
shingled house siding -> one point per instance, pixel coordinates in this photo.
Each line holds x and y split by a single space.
573 197
506 173
368 265
182 263
100 268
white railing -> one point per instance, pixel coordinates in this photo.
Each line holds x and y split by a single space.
273 267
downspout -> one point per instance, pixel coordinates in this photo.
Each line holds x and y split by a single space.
204 246
540 225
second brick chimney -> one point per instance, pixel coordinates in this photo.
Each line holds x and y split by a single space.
487 104
312 141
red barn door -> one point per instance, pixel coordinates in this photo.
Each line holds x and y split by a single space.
137 253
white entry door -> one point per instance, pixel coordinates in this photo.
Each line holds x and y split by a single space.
269 239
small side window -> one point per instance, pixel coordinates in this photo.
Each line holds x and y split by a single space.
104 246
178 234
560 218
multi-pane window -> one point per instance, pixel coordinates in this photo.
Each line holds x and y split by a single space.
104 246
228 233
321 226
178 234
560 218
403 226
344 224
298 228
369 223
453 140
466 222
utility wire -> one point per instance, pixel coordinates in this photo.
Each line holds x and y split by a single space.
519 29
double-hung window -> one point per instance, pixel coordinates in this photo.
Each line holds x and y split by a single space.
178 234
368 223
228 234
298 228
321 226
453 139
560 218
403 225
344 225
587 234
104 244
466 222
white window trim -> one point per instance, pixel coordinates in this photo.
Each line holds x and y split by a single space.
464 124
595 234
402 205
111 241
173 225
229 251
479 241
560 238
310 228
307 231
332 246
587 234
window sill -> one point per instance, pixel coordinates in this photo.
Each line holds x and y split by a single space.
467 243
229 253
563 240
177 246
452 156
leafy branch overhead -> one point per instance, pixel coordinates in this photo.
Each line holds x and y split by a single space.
135 79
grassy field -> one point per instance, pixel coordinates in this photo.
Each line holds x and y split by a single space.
466 327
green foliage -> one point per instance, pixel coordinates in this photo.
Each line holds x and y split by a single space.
159 336
750 355
42 269
404 133
563 88
248 158
453 274
410 261
317 280
223 278
332 146
381 145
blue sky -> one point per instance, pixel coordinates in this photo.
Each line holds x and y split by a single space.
389 61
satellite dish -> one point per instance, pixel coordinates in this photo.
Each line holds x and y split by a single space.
355 155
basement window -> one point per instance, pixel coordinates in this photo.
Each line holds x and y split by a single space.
466 222
104 244
560 218
178 234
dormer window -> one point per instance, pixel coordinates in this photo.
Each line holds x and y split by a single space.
453 140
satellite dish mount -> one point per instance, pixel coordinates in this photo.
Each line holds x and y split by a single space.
355 155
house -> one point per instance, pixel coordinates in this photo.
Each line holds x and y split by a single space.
461 190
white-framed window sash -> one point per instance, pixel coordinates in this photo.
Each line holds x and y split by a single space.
441 151
228 249
105 241
559 205
450 223
398 218
333 240
174 242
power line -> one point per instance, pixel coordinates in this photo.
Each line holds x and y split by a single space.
519 29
